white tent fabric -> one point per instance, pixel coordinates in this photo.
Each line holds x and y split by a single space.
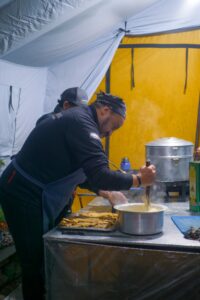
165 16
42 33
32 83
10 100
86 75
76 41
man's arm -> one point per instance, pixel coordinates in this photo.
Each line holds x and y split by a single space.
87 150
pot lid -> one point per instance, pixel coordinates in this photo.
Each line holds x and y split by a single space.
169 141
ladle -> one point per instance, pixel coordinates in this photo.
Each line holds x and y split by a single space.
147 189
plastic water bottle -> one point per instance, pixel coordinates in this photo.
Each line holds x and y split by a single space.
125 164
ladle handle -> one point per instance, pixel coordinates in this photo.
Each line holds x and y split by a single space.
147 189
148 162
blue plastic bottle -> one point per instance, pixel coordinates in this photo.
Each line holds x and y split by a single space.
125 164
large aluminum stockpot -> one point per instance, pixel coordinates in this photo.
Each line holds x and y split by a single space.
134 219
171 156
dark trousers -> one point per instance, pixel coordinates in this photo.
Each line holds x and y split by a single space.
21 204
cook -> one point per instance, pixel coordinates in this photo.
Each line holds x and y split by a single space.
60 153
71 97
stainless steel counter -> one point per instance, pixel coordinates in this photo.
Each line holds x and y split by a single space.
170 239
120 266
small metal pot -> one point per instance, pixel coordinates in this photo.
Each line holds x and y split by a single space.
134 221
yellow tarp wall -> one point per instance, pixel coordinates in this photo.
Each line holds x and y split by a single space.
157 107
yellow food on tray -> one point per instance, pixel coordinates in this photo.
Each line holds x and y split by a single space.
89 220
99 215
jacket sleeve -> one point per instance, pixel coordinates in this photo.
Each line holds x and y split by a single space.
87 185
87 151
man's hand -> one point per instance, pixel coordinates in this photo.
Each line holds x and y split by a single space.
114 197
146 176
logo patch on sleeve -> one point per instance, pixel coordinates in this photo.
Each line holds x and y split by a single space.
94 136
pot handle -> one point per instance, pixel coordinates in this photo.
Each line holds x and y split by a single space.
176 160
148 162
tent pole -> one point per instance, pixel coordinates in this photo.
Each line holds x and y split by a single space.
107 88
178 46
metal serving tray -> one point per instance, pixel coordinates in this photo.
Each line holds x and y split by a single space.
76 230
91 229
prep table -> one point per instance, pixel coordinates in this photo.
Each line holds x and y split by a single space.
120 266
